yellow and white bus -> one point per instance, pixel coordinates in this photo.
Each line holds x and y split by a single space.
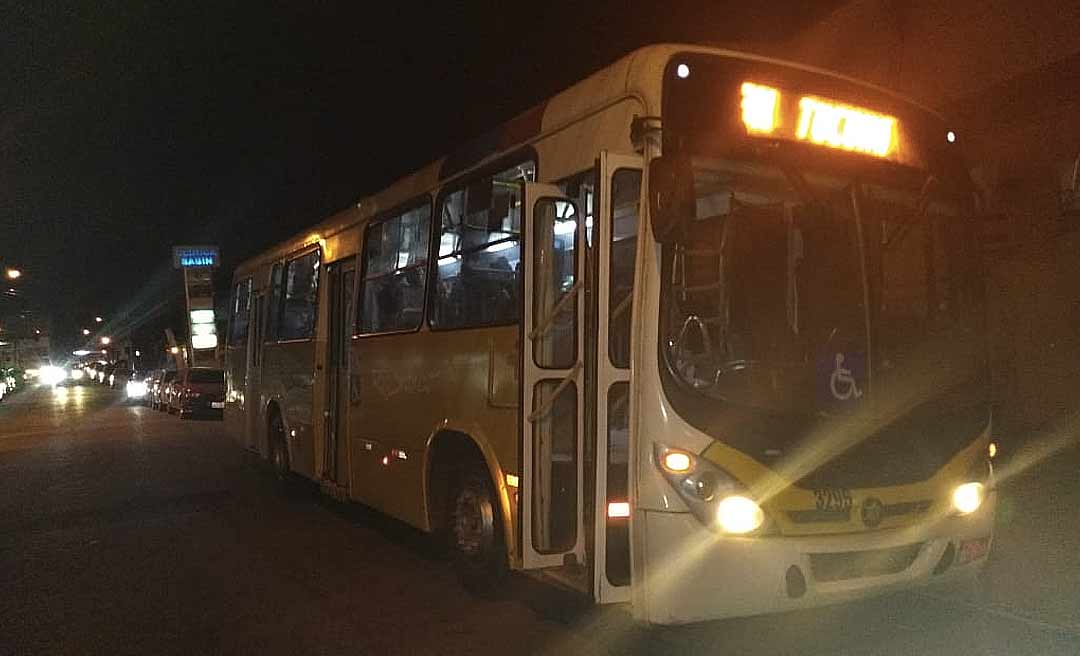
702 333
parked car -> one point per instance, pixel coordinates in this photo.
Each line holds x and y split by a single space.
199 391
160 399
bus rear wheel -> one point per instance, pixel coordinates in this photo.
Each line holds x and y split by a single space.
475 533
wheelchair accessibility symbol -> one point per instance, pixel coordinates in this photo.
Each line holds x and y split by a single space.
841 383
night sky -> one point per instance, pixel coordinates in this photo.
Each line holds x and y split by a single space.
128 127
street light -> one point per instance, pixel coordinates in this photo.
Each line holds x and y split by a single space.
105 341
13 274
98 319
85 332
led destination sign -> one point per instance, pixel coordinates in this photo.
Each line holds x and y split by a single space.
189 257
818 121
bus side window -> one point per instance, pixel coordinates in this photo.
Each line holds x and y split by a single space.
394 280
478 277
301 289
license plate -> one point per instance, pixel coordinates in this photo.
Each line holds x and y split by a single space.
217 405
973 550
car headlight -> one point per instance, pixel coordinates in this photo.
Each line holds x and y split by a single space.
967 498
136 389
76 374
712 495
51 375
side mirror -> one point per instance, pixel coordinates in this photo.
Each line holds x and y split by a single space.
671 196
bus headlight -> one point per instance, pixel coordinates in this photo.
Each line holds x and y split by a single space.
967 498
738 514
711 494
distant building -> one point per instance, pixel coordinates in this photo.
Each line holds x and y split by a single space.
24 341
25 352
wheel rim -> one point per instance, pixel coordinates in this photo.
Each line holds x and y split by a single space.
474 524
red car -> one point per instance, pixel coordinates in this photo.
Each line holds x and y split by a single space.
198 391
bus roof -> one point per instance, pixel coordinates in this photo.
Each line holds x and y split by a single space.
637 74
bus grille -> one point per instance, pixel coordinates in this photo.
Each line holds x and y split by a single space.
857 564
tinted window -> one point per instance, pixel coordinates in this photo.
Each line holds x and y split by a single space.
299 306
477 281
395 272
206 376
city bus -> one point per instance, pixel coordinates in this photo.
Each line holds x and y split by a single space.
702 334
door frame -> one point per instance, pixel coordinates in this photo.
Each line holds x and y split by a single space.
607 375
533 375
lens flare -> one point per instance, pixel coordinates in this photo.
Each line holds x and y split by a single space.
737 514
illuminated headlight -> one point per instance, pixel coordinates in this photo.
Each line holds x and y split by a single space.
76 374
136 389
738 514
52 375
711 494
967 498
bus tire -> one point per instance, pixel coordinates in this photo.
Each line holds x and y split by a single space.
279 449
475 533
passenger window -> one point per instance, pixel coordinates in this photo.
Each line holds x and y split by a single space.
240 310
477 281
625 202
300 301
395 272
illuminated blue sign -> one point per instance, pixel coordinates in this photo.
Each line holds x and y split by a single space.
186 257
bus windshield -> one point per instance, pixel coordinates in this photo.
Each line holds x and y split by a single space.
799 291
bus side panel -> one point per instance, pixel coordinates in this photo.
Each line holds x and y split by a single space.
288 378
414 384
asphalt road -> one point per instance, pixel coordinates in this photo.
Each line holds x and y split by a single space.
127 531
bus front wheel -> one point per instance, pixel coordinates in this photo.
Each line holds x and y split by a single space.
475 533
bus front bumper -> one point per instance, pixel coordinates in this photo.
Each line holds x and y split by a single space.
695 575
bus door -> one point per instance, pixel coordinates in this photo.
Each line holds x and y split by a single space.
341 278
552 501
256 325
615 239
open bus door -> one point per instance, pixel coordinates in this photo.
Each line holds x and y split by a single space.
615 236
552 499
